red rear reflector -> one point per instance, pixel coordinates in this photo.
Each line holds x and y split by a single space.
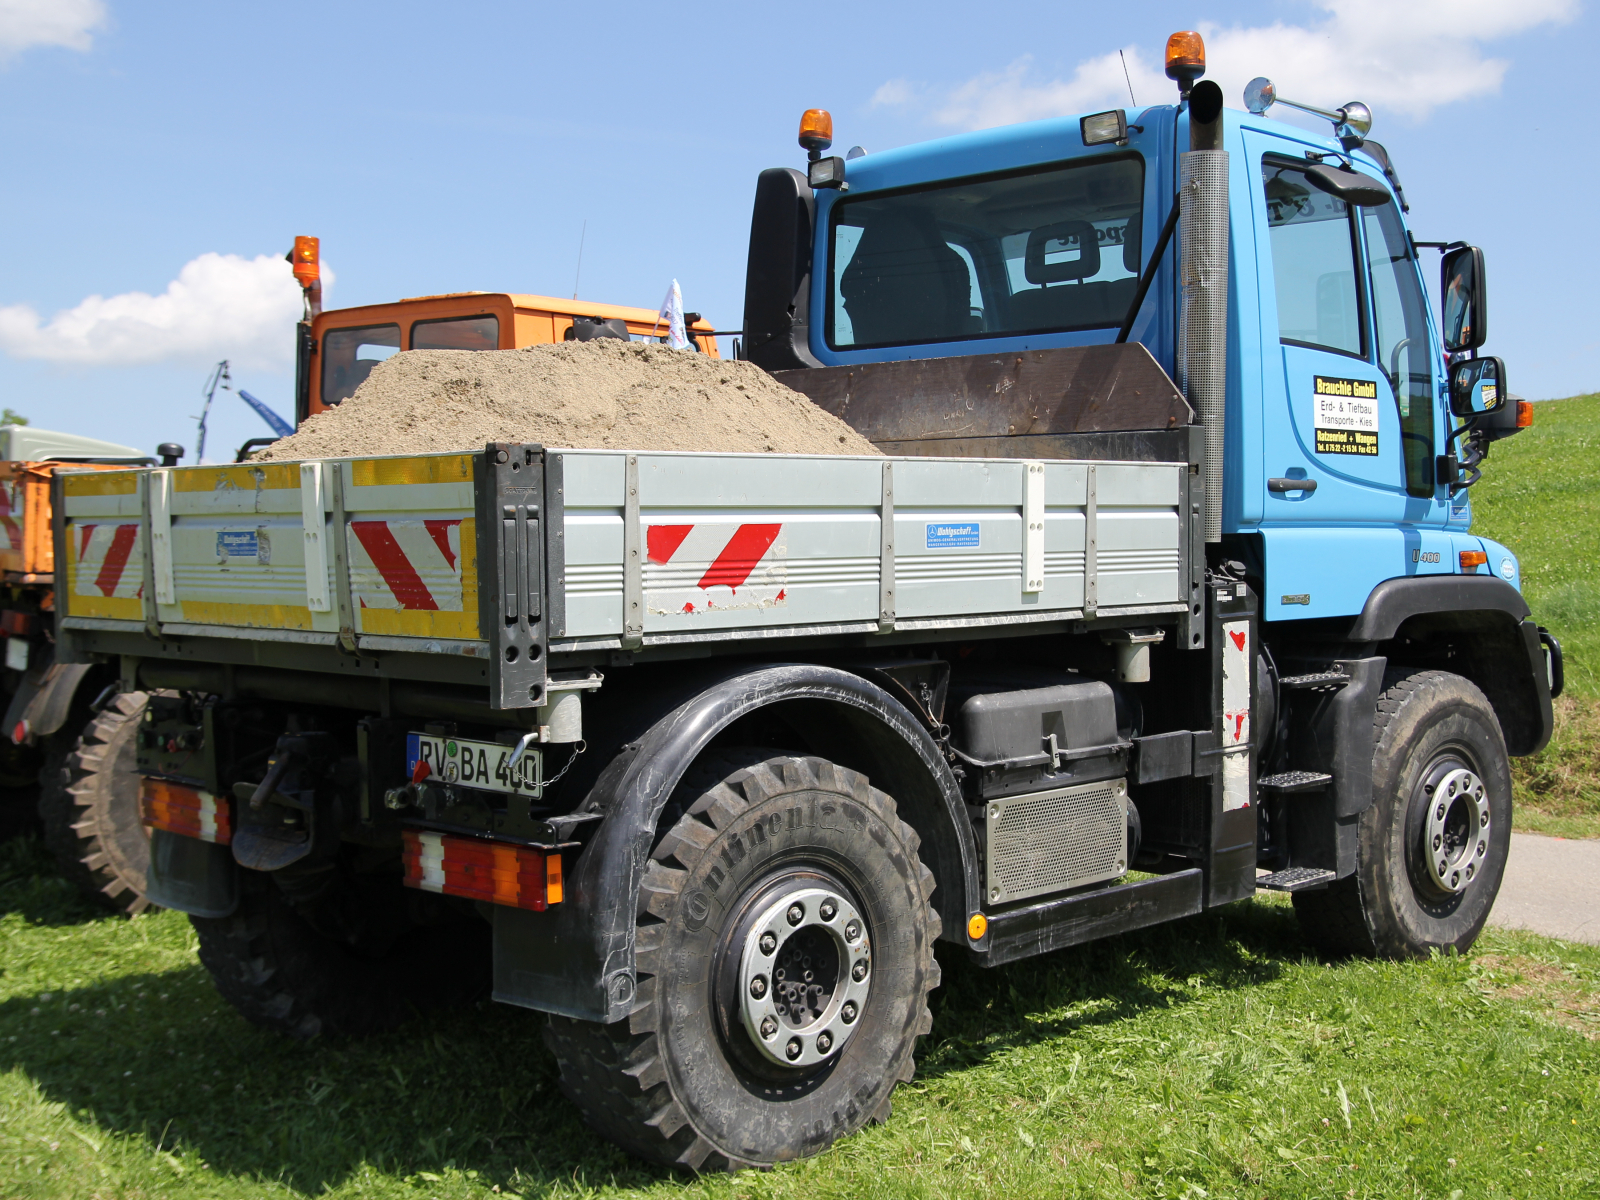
498 872
185 810
1524 413
1471 560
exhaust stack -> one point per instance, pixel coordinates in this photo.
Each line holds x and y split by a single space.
1203 269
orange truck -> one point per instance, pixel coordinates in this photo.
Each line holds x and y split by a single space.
60 718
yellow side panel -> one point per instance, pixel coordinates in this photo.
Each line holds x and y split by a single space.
211 479
248 616
100 483
394 622
435 468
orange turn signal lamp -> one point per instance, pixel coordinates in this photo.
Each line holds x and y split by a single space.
1186 56
478 869
816 130
184 810
1524 414
1471 560
306 260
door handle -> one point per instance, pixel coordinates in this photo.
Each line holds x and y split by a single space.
1292 485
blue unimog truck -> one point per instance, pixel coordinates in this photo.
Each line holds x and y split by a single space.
1163 592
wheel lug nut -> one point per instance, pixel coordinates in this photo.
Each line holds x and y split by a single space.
796 914
793 1048
852 931
1440 812
1437 841
758 986
859 971
848 1012
769 942
829 910
824 1042
769 1028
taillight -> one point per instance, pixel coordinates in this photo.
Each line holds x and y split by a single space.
498 872
185 810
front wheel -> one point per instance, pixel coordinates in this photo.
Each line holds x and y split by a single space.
1432 847
785 954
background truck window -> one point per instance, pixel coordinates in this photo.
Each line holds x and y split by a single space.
457 333
1024 253
1313 263
1405 351
348 356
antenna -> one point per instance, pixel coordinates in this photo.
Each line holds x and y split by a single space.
579 272
219 378
1128 77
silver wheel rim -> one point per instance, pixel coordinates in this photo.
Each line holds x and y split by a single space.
1455 833
795 1016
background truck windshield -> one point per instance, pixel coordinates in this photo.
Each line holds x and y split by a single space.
1052 249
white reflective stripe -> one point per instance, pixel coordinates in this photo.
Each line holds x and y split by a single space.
1236 655
430 859
208 817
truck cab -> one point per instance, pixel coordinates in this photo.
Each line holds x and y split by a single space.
339 348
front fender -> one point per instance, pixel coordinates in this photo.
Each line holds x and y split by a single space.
577 958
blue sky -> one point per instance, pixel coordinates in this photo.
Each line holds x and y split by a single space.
161 157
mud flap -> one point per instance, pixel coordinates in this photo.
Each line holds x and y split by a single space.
194 877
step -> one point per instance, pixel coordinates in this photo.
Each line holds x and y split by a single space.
1293 781
1317 679
1295 879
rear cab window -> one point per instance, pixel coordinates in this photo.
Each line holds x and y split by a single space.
1046 250
457 333
348 356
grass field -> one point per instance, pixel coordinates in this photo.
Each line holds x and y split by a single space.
1213 1058
1540 495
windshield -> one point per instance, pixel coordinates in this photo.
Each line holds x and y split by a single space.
1052 249
348 356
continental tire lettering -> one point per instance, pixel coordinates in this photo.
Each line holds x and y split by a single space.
716 877
696 909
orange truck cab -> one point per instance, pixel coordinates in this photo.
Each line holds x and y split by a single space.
339 348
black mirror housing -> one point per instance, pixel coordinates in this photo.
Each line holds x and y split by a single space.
1463 286
1478 391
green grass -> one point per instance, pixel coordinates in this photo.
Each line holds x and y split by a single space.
1540 495
1212 1058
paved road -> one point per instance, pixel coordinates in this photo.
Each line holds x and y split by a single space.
1551 886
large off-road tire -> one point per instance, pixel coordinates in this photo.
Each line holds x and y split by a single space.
1432 847
89 805
772 866
404 952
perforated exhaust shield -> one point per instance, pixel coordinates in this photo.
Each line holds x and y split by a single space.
1050 841
1203 324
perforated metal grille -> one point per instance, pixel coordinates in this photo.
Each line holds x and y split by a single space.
1055 840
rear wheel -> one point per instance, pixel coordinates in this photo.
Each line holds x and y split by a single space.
362 955
89 804
1432 847
785 955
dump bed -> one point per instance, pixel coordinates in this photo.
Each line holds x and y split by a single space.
440 554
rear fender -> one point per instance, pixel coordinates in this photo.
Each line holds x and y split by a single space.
577 958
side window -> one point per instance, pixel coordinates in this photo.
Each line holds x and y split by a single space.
348 356
1400 323
1313 263
457 333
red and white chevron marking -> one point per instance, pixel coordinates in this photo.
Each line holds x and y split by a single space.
414 564
713 568
110 560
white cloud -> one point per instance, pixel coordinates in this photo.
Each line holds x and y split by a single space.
1400 56
219 306
25 24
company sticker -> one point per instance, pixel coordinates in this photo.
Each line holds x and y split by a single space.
962 536
240 544
1346 416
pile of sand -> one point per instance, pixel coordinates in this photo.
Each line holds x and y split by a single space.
605 394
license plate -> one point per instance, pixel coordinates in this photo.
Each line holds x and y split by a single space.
467 763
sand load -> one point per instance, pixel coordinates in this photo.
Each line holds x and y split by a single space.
606 394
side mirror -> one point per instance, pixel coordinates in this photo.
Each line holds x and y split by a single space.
1466 299
1478 389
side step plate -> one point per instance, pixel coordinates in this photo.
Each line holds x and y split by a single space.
1293 781
1318 679
1295 879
